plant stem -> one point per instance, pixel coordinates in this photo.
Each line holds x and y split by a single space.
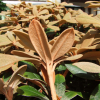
51 82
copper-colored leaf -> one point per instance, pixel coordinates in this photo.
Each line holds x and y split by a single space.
65 58
34 10
6 61
4 41
75 57
67 16
63 43
88 48
91 55
72 49
88 67
24 39
86 19
92 33
44 74
53 27
5 49
18 44
45 11
15 67
45 17
88 41
24 54
39 40
15 77
10 36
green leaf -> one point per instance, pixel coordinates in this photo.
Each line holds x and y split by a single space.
71 94
59 79
60 85
83 74
29 63
31 91
6 76
96 93
61 68
32 75
36 79
30 66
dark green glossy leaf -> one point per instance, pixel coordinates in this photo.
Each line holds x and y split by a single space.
30 66
71 94
96 93
80 73
31 75
61 68
31 92
33 78
6 76
29 63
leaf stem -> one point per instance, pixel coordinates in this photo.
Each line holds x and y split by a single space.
51 81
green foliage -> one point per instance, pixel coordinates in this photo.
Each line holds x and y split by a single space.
60 85
2 6
26 90
96 93
83 74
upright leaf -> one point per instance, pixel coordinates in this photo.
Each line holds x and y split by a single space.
63 43
39 40
34 10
